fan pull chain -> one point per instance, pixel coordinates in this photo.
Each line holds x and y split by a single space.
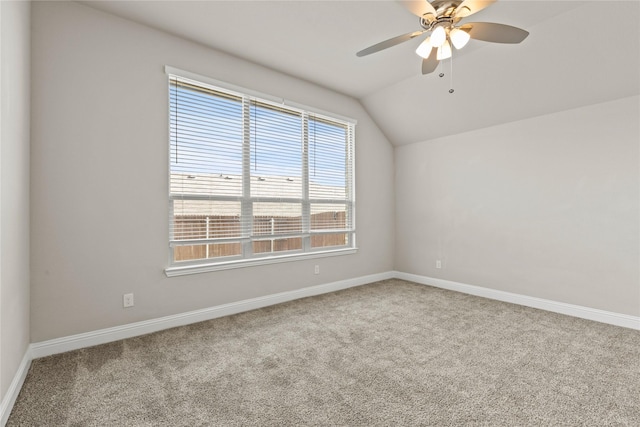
441 74
451 73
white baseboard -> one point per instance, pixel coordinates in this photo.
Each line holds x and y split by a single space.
102 336
617 319
14 388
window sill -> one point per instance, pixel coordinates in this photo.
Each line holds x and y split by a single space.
204 268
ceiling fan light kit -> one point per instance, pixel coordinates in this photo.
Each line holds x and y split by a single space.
444 51
438 37
459 38
425 48
441 19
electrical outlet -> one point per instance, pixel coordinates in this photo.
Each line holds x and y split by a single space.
316 269
127 300
438 263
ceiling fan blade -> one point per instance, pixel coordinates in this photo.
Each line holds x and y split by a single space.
389 43
419 7
430 64
469 7
496 33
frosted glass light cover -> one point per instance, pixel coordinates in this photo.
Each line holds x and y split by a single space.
424 50
459 38
444 51
438 37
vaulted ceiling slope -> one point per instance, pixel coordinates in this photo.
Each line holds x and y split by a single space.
578 53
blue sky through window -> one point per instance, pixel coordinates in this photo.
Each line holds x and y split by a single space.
207 130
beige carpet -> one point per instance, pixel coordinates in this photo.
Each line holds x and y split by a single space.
389 353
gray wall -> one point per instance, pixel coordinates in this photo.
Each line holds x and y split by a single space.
99 176
14 188
546 207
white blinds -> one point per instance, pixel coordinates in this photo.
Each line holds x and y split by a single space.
276 151
251 178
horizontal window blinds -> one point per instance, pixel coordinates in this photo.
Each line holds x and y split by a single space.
251 178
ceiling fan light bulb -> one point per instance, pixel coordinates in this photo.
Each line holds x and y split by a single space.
424 50
459 38
444 51
438 37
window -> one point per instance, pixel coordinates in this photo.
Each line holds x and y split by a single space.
253 180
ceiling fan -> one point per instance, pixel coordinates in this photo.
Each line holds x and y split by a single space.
441 19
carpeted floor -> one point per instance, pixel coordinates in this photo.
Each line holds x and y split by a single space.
389 353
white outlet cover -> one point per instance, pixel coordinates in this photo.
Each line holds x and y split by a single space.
127 300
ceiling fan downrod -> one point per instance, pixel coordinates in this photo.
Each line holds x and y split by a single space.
429 25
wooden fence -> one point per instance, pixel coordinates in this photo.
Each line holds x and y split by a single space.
218 226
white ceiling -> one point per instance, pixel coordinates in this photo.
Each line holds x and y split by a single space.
578 53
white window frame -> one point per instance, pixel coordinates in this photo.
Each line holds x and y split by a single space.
211 264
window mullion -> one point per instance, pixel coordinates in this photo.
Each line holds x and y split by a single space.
306 207
247 205
350 183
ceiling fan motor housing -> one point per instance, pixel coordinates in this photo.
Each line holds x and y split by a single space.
445 7
441 21
445 15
